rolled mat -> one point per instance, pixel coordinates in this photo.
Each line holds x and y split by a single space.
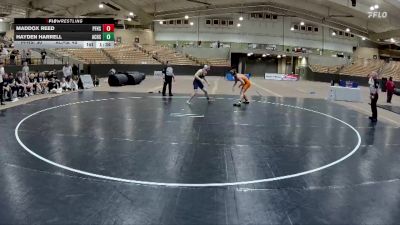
117 80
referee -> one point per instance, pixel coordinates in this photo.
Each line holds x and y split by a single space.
168 77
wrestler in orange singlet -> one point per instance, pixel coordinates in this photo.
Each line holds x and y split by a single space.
245 85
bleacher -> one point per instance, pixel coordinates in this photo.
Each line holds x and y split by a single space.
86 55
392 69
219 62
324 69
127 54
363 67
164 54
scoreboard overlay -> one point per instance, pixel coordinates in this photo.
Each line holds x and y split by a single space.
64 32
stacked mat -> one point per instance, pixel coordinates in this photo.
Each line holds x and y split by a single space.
126 78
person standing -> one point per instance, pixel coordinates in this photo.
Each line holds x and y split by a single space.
199 78
245 84
390 87
2 74
168 77
75 70
25 69
23 56
28 56
43 53
374 86
67 71
12 58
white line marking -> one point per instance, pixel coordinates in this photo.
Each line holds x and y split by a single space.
267 90
187 184
290 220
168 97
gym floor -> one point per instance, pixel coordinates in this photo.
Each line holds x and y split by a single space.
106 157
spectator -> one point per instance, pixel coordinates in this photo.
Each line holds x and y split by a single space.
14 87
3 52
53 84
7 88
67 71
168 77
390 87
21 87
2 76
75 70
28 56
12 58
23 55
65 85
73 84
28 85
43 82
43 53
25 69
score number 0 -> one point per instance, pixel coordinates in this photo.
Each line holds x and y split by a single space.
108 27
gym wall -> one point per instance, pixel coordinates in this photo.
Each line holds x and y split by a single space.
145 36
260 31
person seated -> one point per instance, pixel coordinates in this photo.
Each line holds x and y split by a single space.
73 84
54 86
65 85
12 83
33 80
21 87
43 82
7 92
29 87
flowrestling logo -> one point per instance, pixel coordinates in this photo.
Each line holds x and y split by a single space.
377 15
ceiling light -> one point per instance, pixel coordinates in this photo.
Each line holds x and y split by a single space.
191 23
161 22
241 18
249 54
363 38
129 19
376 6
333 33
347 30
302 23
186 17
264 55
101 6
372 8
131 13
292 28
238 25
392 40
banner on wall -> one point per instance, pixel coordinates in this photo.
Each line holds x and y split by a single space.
278 76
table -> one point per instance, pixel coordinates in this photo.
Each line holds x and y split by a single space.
338 93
